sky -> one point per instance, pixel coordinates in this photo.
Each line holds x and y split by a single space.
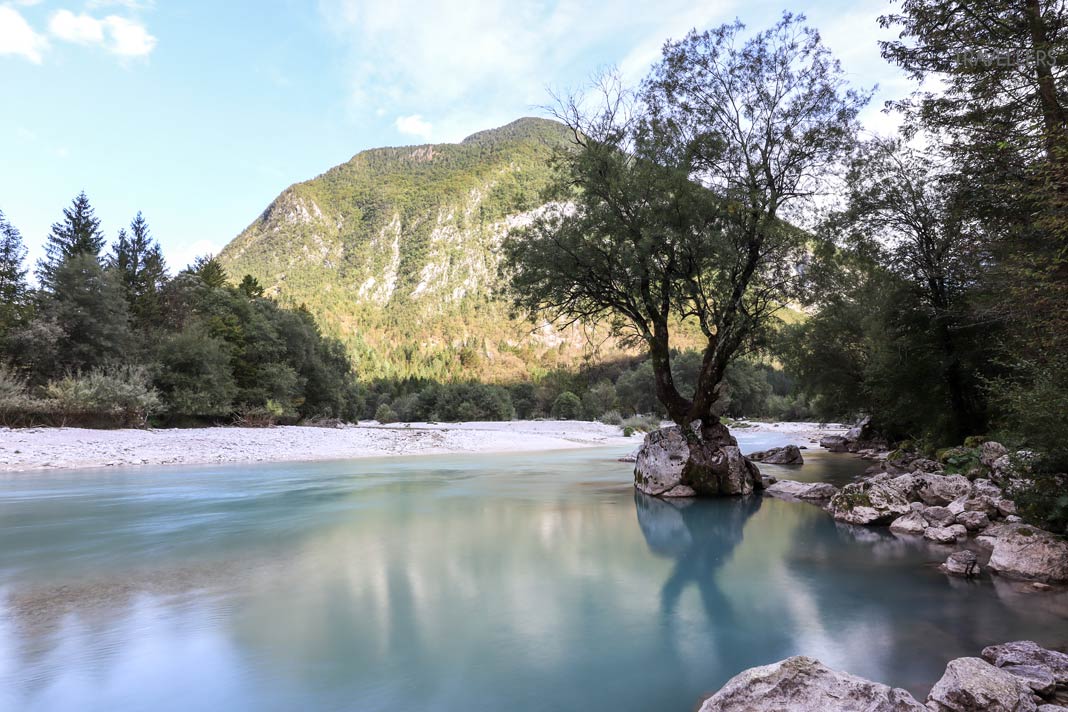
200 112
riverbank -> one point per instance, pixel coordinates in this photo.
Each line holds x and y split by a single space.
71 448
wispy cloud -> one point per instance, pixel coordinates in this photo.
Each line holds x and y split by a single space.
118 35
494 56
414 125
17 37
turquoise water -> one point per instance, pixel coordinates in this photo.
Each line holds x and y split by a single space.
519 582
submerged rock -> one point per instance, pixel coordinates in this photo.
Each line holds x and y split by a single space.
787 455
667 467
791 489
912 523
962 563
946 535
1027 553
974 685
802 684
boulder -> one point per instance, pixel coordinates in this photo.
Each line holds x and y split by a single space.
938 516
946 535
802 684
1039 679
860 431
870 502
912 523
990 452
974 685
962 563
973 521
788 455
1027 553
1028 653
810 491
666 467
1006 507
834 443
941 489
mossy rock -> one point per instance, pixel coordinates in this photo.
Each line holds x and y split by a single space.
975 441
959 460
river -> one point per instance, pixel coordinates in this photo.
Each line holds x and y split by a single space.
535 581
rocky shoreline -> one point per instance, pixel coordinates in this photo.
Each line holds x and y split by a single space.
973 512
1019 676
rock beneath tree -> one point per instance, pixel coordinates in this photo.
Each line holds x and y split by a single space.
962 563
974 685
1027 553
946 535
802 684
667 467
912 523
788 455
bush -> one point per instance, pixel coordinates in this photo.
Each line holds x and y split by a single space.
121 395
260 416
612 417
628 431
385 414
567 406
643 423
16 405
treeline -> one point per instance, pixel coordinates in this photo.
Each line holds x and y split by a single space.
108 337
622 392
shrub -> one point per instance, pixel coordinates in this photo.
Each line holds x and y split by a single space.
567 406
612 417
643 423
385 414
121 395
628 431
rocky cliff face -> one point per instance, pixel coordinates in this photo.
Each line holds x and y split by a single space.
396 253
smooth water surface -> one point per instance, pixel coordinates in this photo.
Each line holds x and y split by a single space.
519 582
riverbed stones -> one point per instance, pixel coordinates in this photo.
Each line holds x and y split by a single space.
787 455
945 535
1028 652
990 452
973 521
940 490
666 466
974 685
1027 553
939 516
803 684
809 491
962 563
871 502
912 524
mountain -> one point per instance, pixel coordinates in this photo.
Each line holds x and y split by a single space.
396 253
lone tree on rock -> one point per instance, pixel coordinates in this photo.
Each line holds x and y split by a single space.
673 206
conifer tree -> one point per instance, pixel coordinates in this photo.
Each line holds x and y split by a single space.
13 286
138 260
77 234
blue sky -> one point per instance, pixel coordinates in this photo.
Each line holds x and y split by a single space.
199 112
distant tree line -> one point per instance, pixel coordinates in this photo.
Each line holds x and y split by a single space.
108 337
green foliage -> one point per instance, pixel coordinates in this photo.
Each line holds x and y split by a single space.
194 375
567 406
14 289
385 414
77 235
122 394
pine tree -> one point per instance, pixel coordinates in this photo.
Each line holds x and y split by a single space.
13 286
138 260
77 234
210 271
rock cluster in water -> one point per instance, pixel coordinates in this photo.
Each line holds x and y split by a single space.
916 497
786 455
1013 677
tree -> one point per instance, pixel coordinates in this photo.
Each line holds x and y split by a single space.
674 204
139 262
250 287
77 234
13 286
904 210
87 304
210 271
